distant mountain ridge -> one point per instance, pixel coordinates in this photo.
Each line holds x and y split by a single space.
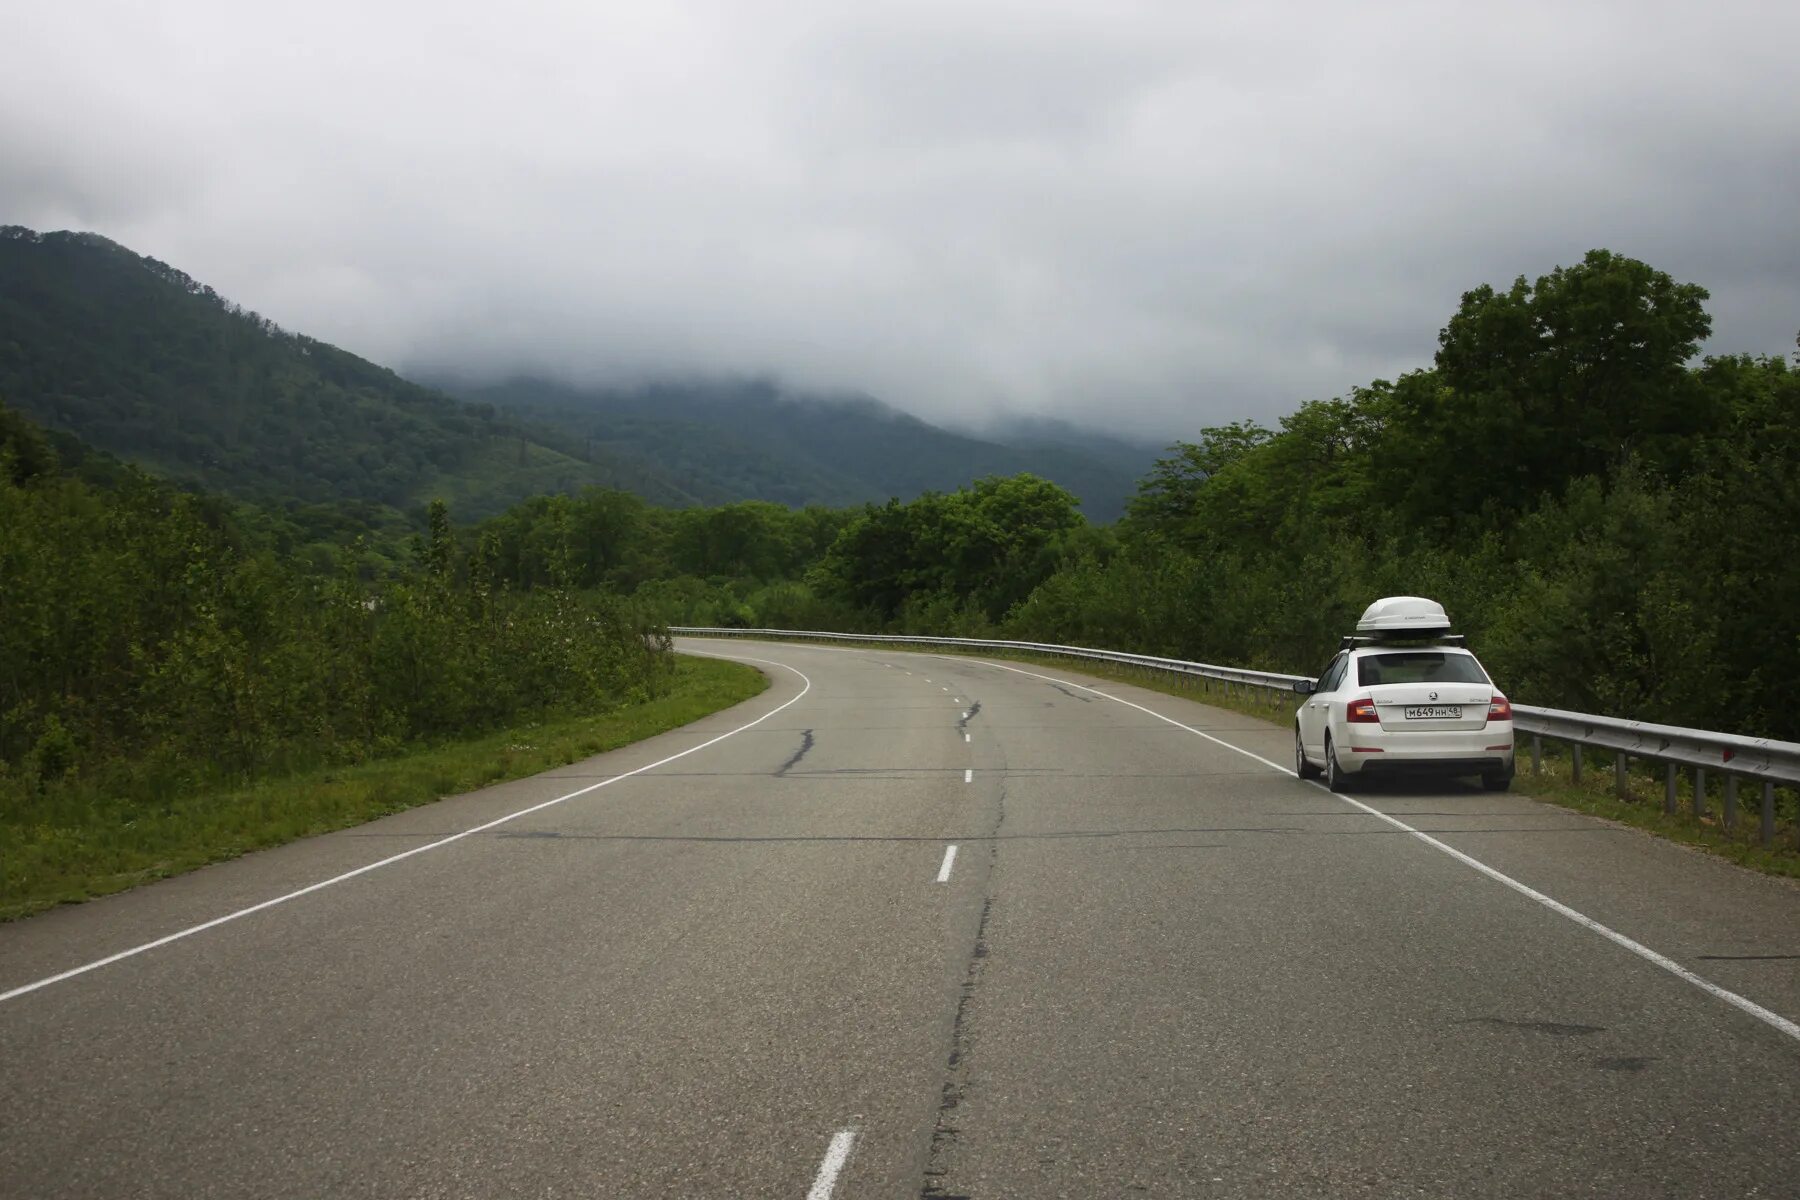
797 448
140 360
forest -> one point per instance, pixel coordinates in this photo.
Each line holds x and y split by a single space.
1614 521
152 639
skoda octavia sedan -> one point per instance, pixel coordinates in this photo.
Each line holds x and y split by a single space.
1417 709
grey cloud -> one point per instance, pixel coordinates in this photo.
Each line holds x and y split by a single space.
1147 215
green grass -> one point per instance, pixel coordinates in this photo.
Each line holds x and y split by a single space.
1593 795
74 843
1642 807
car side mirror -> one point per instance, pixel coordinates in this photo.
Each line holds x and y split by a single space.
1305 687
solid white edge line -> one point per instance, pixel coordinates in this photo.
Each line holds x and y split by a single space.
191 930
1773 1019
836 1155
949 861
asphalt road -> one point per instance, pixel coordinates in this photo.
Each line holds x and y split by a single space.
1154 965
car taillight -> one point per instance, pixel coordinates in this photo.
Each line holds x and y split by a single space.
1499 709
1361 711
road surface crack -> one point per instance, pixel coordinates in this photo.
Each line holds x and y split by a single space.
806 743
947 1131
962 726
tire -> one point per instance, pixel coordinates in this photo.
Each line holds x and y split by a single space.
1496 781
1302 767
1335 777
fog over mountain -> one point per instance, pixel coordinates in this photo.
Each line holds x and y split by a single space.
1141 216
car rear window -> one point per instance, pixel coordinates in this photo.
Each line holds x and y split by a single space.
1418 666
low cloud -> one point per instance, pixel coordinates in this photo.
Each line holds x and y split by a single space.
1147 216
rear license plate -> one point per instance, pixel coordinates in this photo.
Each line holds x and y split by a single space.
1433 712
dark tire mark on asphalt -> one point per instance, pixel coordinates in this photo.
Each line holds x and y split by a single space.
962 726
806 743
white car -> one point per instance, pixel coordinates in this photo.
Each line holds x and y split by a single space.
1422 706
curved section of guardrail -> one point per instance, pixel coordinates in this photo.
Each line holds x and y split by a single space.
1239 675
1730 755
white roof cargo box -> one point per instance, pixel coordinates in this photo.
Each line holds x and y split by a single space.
1404 616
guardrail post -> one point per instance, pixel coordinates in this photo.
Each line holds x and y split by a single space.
1537 755
1669 789
1699 792
1731 804
1768 812
1621 764
1574 762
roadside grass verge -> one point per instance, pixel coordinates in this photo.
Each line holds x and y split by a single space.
1594 794
1642 807
77 842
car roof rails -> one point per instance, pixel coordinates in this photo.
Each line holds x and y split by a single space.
1417 641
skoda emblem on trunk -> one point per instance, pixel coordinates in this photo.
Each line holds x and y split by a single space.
1434 695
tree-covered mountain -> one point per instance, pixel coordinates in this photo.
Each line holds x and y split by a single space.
140 360
765 443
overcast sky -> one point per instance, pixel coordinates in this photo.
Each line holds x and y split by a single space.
1151 216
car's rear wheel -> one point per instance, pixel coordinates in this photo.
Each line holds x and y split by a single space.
1335 777
1496 781
1302 767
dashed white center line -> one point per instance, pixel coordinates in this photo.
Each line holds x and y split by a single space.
968 772
949 861
836 1155
965 737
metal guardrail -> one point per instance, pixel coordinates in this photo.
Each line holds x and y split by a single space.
1731 755
1232 675
1735 757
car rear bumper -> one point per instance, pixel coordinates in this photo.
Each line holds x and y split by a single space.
1382 764
1370 750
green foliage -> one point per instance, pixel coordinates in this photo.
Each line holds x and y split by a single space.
1572 376
1618 530
140 625
981 550
83 837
